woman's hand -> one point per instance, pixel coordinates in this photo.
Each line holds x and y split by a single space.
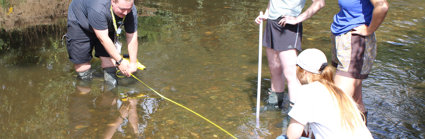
362 30
260 18
288 20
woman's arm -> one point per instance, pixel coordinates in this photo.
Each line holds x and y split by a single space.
295 129
378 15
264 16
313 9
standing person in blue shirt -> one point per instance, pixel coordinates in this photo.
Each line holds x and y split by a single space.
354 43
97 24
282 37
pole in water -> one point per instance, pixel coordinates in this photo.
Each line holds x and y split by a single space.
260 54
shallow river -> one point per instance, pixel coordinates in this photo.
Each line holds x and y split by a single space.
202 54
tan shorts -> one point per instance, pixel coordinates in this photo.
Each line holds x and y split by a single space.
353 55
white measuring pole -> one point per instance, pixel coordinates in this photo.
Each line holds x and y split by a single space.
260 55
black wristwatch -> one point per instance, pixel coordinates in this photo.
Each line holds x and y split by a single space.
119 62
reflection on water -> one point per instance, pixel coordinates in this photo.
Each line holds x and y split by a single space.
201 54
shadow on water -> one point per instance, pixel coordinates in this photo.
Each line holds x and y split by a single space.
203 60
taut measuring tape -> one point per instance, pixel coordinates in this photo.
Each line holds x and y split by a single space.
142 67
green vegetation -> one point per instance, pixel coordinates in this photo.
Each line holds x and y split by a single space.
1 44
4 3
150 26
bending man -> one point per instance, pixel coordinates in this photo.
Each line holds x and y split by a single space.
97 24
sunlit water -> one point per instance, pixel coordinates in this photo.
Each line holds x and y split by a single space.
202 54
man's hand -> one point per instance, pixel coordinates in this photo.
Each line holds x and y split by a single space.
124 67
127 68
132 68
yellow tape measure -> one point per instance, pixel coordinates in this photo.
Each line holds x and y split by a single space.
142 67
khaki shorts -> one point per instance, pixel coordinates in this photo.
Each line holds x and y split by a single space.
353 55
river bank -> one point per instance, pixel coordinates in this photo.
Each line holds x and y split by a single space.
20 14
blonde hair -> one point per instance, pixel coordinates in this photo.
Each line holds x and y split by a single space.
351 117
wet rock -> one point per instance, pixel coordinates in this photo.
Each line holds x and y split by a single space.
213 97
194 135
170 122
208 33
78 127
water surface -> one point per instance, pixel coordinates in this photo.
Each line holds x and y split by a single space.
202 54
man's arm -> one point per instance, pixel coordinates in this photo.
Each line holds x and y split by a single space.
109 45
295 129
378 15
132 50
313 9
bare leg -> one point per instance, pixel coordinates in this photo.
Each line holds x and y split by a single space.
277 79
83 71
82 67
353 87
289 59
133 117
107 62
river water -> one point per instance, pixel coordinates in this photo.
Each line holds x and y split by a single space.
202 54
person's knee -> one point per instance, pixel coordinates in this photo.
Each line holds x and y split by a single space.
83 71
82 67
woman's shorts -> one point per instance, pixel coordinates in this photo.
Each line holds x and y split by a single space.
353 54
80 43
282 38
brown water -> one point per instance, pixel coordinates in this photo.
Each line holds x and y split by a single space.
202 54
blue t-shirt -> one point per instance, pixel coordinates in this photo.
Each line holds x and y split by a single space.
352 13
96 14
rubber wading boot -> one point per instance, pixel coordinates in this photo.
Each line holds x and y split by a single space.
273 101
85 75
110 77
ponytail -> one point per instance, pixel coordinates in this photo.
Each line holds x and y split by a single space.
351 117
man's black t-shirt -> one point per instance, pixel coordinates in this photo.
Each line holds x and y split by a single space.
96 14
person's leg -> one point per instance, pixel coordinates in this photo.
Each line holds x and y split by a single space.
352 87
288 61
82 67
109 71
353 56
107 62
79 50
83 71
277 79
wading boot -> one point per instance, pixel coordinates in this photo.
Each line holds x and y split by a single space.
275 99
85 75
111 79
286 106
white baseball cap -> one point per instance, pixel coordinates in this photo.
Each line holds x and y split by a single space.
312 60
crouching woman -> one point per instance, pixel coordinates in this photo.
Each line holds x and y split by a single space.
320 108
